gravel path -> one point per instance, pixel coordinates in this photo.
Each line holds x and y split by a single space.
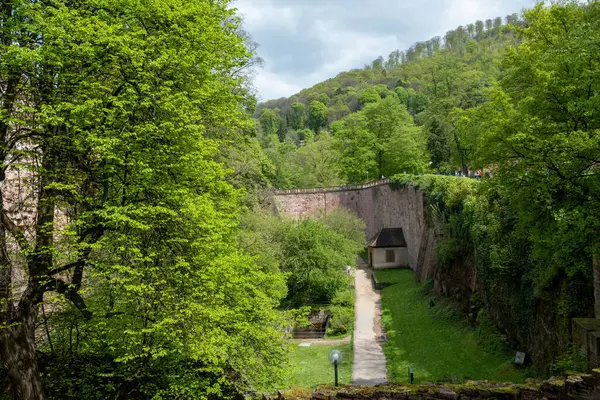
369 366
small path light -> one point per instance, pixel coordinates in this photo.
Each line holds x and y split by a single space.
335 357
411 376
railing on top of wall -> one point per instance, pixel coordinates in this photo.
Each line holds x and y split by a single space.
379 182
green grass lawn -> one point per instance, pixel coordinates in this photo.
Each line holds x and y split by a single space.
312 367
436 348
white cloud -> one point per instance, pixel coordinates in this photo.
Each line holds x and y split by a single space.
256 15
304 42
272 86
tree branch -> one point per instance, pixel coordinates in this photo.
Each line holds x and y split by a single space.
63 268
60 286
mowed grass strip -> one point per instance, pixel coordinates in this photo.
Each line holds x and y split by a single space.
438 349
312 367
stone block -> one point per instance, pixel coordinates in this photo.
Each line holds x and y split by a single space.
586 335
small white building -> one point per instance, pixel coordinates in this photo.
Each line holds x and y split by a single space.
388 249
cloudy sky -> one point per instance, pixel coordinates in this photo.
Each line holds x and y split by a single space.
304 42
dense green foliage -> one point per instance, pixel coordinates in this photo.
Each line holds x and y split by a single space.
313 253
436 345
534 226
116 113
482 227
134 259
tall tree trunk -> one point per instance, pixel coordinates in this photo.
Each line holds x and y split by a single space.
461 154
596 269
17 330
17 350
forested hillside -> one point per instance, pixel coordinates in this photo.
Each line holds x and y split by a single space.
404 113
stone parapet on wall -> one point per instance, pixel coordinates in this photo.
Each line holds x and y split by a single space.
574 387
380 182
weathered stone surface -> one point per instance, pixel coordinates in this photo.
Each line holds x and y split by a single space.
576 387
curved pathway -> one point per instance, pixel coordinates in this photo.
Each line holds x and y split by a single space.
369 367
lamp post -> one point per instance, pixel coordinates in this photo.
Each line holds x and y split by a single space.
335 357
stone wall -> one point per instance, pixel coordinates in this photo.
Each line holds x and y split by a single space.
379 206
575 387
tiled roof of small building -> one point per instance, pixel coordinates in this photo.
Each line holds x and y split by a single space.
388 237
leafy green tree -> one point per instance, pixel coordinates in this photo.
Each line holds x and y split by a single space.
250 167
497 26
135 222
382 139
279 154
317 115
315 164
437 144
488 26
318 96
479 30
377 64
467 131
369 95
402 94
283 128
297 116
270 121
393 60
345 223
543 134
314 256
307 135
338 111
356 146
417 102
406 151
384 120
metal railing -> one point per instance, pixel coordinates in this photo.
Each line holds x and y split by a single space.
379 182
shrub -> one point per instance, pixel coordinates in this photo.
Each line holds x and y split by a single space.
342 320
314 256
343 297
572 360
